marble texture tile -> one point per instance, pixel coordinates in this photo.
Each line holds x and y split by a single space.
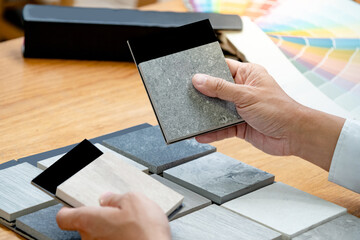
214 222
8 164
285 209
345 227
17 196
219 177
107 173
42 225
192 201
182 111
147 147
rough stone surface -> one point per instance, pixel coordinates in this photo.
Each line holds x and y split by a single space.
183 111
219 177
214 222
42 225
147 147
285 209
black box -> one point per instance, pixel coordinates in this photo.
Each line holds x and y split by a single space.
101 34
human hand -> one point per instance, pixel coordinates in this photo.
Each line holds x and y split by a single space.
274 122
128 216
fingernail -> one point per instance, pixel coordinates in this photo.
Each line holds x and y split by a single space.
105 196
200 79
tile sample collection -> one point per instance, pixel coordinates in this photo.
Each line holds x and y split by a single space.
192 201
107 173
44 164
147 147
219 177
42 225
345 227
214 222
285 209
17 196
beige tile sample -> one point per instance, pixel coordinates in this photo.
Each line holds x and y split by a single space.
110 174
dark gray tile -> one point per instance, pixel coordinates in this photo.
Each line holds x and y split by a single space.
42 225
147 147
192 201
346 227
182 111
214 222
219 177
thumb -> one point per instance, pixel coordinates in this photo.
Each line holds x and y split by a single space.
111 200
217 87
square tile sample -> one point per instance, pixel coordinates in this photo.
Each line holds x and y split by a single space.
8 164
17 196
181 110
219 177
147 147
214 222
345 227
285 209
44 164
192 201
108 173
42 225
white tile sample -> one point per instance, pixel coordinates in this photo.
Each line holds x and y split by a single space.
147 147
17 196
42 225
44 164
219 177
192 201
345 227
285 209
126 159
214 222
107 173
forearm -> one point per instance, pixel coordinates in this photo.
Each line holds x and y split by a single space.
315 136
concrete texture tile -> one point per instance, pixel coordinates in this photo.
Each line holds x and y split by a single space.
42 225
214 222
17 196
346 227
182 111
8 164
192 201
147 147
219 177
285 209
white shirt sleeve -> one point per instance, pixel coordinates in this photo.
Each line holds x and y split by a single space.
345 165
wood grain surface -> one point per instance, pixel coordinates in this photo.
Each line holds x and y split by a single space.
47 104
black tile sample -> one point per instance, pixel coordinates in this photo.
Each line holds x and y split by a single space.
147 147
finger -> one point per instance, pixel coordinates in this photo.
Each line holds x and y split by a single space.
111 199
218 135
217 87
233 66
69 218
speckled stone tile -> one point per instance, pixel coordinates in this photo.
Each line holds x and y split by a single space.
147 147
183 111
214 222
285 209
17 196
192 201
346 227
219 177
42 225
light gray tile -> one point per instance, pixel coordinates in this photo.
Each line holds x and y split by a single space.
183 111
346 227
147 147
192 201
285 209
42 225
219 177
17 196
44 164
214 222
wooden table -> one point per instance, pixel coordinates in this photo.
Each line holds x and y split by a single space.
47 104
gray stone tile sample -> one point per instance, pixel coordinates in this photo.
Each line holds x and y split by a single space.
8 164
147 147
214 222
285 209
219 177
182 111
42 225
346 227
17 196
192 201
